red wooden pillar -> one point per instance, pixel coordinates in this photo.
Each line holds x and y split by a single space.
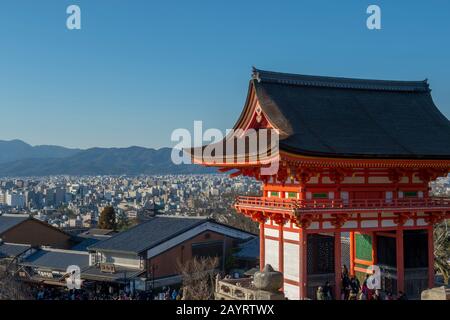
302 194
281 249
352 253
262 253
400 261
303 266
337 265
374 248
430 257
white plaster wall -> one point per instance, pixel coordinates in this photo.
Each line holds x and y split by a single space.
295 236
350 224
388 223
271 232
271 253
291 292
291 261
369 224
122 259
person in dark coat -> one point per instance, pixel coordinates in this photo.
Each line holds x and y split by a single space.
327 291
319 294
402 296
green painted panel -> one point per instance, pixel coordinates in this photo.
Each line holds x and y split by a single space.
320 195
362 266
363 244
292 195
274 194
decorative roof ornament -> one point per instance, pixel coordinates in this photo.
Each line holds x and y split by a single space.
255 74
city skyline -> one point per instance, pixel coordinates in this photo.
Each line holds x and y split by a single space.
135 72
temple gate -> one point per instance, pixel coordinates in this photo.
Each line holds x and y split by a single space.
355 159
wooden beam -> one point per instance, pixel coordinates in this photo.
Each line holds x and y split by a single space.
280 248
386 234
303 266
337 265
363 270
374 248
352 253
400 261
262 254
363 262
430 257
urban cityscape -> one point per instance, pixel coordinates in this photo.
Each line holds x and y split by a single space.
75 202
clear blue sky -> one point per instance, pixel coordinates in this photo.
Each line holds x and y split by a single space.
140 68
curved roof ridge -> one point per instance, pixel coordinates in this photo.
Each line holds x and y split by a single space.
340 82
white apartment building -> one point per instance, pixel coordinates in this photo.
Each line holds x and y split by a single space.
2 198
15 200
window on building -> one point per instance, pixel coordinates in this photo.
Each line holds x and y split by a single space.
389 196
320 254
410 194
322 195
208 249
274 194
345 196
93 258
292 195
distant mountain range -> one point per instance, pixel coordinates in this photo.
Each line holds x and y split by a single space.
18 158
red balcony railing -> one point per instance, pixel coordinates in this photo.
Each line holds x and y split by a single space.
339 204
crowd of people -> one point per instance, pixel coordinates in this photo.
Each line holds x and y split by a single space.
54 293
353 290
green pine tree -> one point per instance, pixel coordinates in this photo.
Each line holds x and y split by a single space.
107 219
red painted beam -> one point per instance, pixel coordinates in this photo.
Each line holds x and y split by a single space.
430 257
337 265
262 254
386 234
280 249
303 272
352 253
374 248
400 261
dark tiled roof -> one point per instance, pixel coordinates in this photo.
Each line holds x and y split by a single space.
86 242
54 259
12 249
9 221
248 249
148 234
121 274
97 232
325 116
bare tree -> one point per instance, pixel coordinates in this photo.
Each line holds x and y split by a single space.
13 289
237 220
198 278
442 249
